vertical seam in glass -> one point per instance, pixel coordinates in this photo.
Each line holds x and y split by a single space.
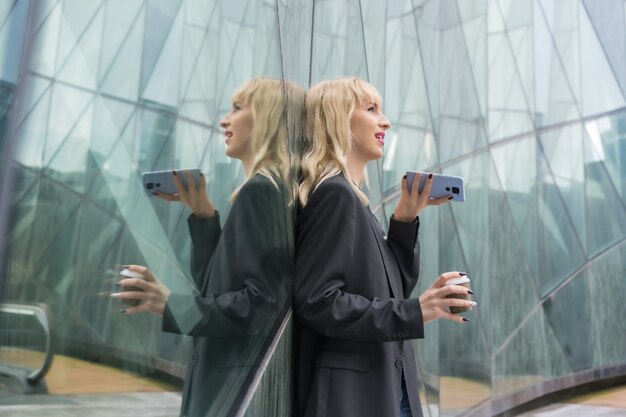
367 71
263 365
311 47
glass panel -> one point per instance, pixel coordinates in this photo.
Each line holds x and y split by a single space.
530 356
563 151
601 90
116 90
606 213
551 246
556 65
568 312
509 106
12 24
606 279
609 24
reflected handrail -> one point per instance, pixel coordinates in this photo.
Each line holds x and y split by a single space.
31 382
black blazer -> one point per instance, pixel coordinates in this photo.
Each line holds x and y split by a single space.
244 276
352 285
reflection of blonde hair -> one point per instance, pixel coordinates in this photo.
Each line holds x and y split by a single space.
329 107
278 114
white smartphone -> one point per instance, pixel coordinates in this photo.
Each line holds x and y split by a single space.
163 181
443 185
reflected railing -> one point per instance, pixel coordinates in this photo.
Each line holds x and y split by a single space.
26 346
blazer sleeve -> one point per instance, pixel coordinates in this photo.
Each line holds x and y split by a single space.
205 234
325 253
249 276
403 241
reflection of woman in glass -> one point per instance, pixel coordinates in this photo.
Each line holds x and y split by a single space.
242 272
352 283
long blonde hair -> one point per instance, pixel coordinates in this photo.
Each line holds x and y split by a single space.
278 118
328 140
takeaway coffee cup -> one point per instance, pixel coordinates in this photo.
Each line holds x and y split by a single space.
463 282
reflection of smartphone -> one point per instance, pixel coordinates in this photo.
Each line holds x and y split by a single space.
163 181
443 185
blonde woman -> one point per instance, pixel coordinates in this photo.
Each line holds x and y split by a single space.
244 272
353 280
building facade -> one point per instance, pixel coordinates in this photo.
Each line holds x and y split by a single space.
524 99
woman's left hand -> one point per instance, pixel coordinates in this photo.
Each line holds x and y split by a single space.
149 291
413 202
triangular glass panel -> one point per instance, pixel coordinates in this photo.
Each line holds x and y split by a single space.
44 44
32 133
609 20
81 66
609 135
551 244
120 17
556 64
160 17
531 355
568 312
606 212
164 82
194 146
121 78
49 223
601 91
69 163
76 17
607 328
513 294
37 86
12 34
69 105
113 118
429 41
509 114
564 155
475 33
461 128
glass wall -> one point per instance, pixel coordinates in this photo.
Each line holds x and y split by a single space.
524 99
108 90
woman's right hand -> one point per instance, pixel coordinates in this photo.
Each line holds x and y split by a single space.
434 303
194 197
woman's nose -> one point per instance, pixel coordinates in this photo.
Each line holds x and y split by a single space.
224 123
384 123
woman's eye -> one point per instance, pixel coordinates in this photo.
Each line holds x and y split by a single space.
371 109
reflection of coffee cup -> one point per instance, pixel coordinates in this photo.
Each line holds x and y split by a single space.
463 282
125 273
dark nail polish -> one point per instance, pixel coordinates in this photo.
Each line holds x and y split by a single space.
174 173
123 311
155 193
430 175
201 174
465 319
470 292
451 197
404 177
462 274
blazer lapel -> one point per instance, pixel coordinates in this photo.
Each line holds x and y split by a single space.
397 292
